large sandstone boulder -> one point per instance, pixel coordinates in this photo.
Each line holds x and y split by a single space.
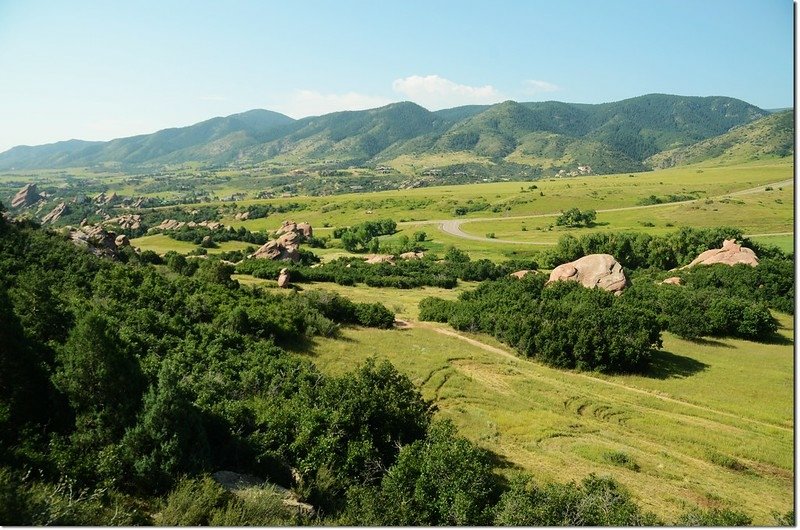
303 229
594 270
28 195
412 255
122 241
283 279
731 253
524 272
374 259
286 247
55 214
673 280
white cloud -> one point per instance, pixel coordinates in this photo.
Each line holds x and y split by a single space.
535 86
302 103
435 92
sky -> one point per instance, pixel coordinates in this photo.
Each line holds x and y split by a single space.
97 70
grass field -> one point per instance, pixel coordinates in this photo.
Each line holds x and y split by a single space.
517 198
712 425
765 212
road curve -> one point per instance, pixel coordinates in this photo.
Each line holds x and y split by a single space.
453 226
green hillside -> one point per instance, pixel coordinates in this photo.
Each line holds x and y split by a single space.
529 138
772 136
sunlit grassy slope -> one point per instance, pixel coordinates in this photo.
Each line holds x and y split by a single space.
702 403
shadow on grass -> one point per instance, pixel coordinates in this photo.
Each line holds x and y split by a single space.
668 365
705 341
777 339
306 345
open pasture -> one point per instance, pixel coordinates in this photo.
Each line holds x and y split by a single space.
762 212
498 200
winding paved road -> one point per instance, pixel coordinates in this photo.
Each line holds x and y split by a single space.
453 226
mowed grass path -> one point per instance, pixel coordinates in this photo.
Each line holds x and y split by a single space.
702 402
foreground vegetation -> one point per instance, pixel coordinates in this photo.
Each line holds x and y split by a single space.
154 373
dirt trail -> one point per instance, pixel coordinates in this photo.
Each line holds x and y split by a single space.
403 324
453 226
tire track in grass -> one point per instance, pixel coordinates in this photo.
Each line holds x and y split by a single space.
667 399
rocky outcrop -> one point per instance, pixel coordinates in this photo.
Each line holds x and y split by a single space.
283 279
594 270
122 241
374 259
731 253
412 255
521 274
127 222
286 247
302 229
242 216
107 200
55 214
28 195
673 280
95 240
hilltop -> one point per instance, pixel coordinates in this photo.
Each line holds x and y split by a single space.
532 138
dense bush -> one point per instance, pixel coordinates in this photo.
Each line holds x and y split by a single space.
564 325
403 274
597 501
197 234
692 312
362 237
439 480
640 250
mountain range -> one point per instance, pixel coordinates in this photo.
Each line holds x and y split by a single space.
655 130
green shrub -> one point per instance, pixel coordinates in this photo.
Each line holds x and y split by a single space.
193 503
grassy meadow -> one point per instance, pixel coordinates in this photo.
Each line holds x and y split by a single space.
711 425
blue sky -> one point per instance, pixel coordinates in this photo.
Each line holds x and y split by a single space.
98 70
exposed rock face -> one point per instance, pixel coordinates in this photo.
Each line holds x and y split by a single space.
55 214
283 279
674 280
524 272
303 229
122 241
286 247
306 229
731 253
107 199
95 240
594 270
242 216
412 255
374 259
26 196
127 222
